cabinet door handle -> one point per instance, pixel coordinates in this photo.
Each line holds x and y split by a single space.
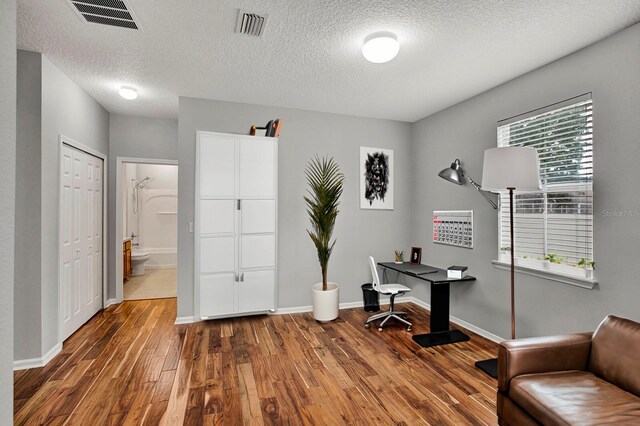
239 204
242 277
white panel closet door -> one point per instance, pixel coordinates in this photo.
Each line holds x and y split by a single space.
217 166
217 217
218 254
258 216
258 251
255 291
257 168
81 236
94 235
217 294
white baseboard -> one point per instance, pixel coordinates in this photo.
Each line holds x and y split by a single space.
163 266
477 330
184 320
383 301
294 310
23 364
420 303
349 305
406 299
110 302
460 322
344 305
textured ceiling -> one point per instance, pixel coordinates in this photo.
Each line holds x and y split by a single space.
309 56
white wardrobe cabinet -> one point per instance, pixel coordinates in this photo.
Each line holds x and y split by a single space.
236 224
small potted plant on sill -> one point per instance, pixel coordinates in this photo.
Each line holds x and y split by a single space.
560 265
551 260
588 265
325 182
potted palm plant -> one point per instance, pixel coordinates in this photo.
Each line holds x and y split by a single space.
325 182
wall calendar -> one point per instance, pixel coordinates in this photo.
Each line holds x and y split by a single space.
453 227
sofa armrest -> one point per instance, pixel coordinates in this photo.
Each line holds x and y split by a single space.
542 354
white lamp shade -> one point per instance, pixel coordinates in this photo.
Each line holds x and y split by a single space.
511 167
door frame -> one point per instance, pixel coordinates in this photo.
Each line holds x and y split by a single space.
117 251
65 140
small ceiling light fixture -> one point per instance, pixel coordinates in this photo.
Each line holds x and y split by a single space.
380 47
128 93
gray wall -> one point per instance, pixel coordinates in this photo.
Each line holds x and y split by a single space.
28 207
359 232
136 137
68 110
7 195
608 69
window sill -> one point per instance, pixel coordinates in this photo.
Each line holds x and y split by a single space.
587 283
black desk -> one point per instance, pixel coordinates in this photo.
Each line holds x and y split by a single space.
440 332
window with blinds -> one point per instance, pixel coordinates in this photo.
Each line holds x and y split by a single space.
553 228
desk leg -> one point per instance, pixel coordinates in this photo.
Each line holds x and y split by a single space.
440 333
439 307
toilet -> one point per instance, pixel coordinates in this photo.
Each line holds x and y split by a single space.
138 258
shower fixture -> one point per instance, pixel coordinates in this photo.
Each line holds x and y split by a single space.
138 185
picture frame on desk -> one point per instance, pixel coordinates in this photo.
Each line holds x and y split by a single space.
416 255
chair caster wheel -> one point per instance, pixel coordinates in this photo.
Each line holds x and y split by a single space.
366 326
380 329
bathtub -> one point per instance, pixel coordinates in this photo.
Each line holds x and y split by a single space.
162 258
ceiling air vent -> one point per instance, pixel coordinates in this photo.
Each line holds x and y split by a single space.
251 23
115 13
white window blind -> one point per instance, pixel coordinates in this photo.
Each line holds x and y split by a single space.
553 228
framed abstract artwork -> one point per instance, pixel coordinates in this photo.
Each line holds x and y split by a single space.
376 178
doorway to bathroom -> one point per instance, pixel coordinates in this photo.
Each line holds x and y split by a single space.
147 214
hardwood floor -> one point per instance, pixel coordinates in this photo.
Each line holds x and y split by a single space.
131 365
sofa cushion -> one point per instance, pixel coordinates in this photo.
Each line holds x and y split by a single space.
615 353
574 397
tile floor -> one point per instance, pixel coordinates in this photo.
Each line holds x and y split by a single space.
154 284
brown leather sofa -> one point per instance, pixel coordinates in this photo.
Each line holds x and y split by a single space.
583 379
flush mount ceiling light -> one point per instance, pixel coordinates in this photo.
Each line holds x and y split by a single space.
128 93
380 47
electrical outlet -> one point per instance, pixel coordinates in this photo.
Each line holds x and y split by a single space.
191 227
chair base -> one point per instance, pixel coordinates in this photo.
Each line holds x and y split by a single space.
386 316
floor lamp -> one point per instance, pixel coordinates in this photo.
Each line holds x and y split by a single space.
509 169
456 175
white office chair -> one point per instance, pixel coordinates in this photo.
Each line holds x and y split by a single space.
387 289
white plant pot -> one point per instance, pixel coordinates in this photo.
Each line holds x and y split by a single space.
566 269
528 263
326 303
